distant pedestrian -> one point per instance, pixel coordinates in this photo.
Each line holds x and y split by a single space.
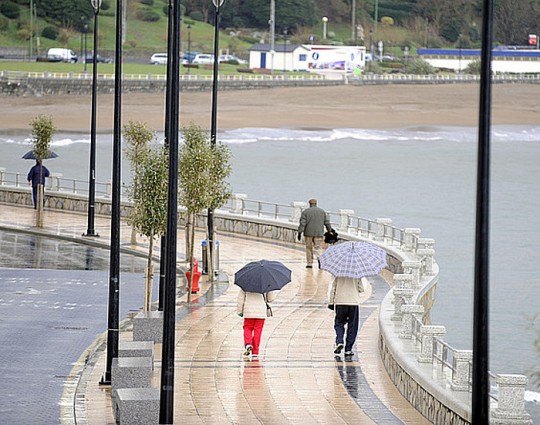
37 171
313 221
344 296
254 308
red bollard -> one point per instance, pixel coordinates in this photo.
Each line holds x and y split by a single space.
196 276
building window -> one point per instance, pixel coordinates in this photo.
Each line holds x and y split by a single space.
302 58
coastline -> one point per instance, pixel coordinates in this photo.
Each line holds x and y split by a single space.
313 108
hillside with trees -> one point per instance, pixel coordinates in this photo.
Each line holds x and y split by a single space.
415 23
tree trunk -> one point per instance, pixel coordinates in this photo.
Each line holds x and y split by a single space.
189 251
149 279
133 236
39 206
192 243
211 252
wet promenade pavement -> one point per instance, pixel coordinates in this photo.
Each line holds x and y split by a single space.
296 380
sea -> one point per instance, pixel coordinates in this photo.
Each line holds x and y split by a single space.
423 177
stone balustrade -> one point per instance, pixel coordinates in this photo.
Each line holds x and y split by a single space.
415 357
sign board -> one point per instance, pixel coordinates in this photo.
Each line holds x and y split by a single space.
533 39
339 58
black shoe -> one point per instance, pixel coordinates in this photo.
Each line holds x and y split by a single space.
338 349
309 266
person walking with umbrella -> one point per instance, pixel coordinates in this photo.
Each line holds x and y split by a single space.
349 262
313 220
259 282
36 177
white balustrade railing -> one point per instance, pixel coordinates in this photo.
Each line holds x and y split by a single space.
374 78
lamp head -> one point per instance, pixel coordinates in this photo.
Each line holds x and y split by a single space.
324 19
96 4
218 3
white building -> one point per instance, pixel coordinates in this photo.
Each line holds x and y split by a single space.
286 57
502 60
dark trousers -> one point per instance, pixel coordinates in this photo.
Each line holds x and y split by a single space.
34 195
346 316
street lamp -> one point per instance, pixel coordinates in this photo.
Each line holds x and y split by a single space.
189 47
85 43
213 128
284 50
459 63
371 48
406 54
324 22
96 4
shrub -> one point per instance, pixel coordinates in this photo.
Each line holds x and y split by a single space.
147 15
10 10
473 68
4 23
147 2
105 5
50 32
197 16
24 34
419 66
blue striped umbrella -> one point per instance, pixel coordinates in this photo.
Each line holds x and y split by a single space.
353 259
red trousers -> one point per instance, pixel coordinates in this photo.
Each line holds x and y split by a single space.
252 333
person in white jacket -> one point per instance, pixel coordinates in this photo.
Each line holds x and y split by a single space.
344 295
252 307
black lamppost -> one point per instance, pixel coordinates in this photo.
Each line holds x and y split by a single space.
83 21
213 128
459 66
371 47
166 398
284 50
189 48
96 4
113 311
85 43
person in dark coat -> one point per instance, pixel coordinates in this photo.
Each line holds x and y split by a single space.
34 179
313 220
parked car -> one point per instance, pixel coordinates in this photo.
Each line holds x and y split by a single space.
89 58
159 59
188 57
231 58
203 59
57 54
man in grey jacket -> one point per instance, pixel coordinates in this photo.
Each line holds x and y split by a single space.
313 220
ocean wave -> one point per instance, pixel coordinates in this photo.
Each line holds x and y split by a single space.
433 134
417 133
68 142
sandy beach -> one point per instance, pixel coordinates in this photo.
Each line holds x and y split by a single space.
389 106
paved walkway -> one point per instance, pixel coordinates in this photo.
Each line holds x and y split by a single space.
296 380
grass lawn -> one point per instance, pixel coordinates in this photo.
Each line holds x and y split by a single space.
128 68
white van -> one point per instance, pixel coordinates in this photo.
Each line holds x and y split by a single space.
57 54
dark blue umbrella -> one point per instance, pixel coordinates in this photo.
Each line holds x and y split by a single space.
262 276
30 155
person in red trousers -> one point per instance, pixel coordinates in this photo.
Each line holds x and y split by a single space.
253 307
